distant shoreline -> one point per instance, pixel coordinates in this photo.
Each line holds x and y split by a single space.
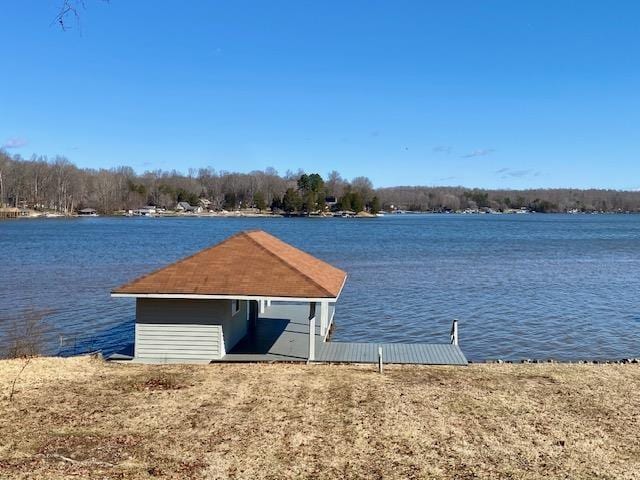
277 215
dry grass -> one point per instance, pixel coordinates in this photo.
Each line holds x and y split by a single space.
84 418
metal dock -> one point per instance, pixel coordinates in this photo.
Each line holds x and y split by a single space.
408 353
281 334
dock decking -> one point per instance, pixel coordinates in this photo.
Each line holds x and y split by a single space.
407 353
282 335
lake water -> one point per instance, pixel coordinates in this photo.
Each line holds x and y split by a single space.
522 286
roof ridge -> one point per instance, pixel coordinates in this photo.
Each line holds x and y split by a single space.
284 260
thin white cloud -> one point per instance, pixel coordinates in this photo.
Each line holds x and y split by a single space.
511 173
479 153
442 149
14 142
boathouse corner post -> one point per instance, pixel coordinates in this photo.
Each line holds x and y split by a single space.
312 332
324 318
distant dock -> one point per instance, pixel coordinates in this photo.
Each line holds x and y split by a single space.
9 212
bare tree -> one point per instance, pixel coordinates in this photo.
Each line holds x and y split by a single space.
70 10
335 184
58 184
25 339
24 334
12 391
363 186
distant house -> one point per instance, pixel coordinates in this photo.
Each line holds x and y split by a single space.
204 203
87 212
330 202
186 207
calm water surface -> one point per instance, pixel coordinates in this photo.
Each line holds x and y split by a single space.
522 286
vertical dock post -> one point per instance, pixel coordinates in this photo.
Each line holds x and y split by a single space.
379 359
454 333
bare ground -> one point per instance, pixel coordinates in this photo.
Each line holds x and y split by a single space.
85 418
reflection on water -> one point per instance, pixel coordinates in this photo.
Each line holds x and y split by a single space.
525 286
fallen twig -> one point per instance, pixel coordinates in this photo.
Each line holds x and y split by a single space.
57 456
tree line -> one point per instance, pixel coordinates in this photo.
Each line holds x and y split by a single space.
57 184
552 200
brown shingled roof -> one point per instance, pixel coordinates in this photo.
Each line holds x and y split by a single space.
250 263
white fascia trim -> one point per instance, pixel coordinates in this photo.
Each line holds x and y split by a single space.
191 296
339 291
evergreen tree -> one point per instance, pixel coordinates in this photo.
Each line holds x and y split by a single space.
375 205
291 202
259 201
316 183
304 184
357 203
230 201
310 202
276 203
345 202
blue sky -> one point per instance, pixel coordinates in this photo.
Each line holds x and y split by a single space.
475 93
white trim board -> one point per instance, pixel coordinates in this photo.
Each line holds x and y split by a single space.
192 296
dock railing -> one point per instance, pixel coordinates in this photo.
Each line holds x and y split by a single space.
454 333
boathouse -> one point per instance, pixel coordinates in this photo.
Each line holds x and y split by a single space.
254 298
201 308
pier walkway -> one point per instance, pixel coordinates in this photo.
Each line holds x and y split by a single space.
281 334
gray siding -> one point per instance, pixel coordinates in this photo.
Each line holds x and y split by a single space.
159 336
178 343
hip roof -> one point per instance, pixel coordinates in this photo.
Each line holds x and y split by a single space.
252 263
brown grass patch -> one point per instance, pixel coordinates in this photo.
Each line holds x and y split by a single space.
85 418
160 379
